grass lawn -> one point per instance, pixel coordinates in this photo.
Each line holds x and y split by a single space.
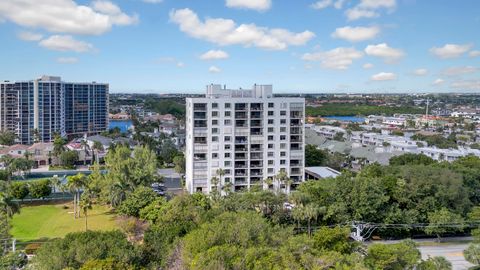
52 220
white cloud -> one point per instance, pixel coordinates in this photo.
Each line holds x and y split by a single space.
259 5
367 66
450 50
358 13
420 72
369 9
29 36
454 71
170 60
65 16
382 50
438 81
227 32
214 69
180 64
356 34
384 76
466 85
153 1
375 4
214 55
322 4
67 60
474 54
338 58
65 43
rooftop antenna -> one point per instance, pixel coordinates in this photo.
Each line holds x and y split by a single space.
426 111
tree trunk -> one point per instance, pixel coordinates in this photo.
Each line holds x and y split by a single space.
86 220
75 205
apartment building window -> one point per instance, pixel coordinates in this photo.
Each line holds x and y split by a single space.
271 121
214 122
271 105
227 171
271 113
214 138
214 155
270 170
227 163
283 137
282 154
214 105
270 138
227 147
283 146
270 154
227 179
214 130
227 122
283 162
270 146
227 155
228 105
227 138
214 114
283 129
271 130
283 113
227 114
271 162
283 121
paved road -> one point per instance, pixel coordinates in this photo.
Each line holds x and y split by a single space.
452 252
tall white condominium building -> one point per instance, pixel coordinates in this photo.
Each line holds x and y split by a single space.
249 134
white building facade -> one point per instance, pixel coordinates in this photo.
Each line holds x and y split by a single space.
249 134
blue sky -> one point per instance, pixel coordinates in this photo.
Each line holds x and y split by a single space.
297 45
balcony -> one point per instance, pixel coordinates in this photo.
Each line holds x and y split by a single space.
256 164
295 171
199 157
256 115
296 123
240 164
256 148
200 123
256 123
296 147
256 106
240 107
256 155
241 140
241 172
241 115
295 130
241 123
240 156
256 172
200 107
296 114
297 139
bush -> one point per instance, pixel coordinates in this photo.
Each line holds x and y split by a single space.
19 190
40 189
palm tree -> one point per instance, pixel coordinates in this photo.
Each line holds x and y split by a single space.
86 203
8 207
56 182
282 178
85 146
97 146
75 183
220 173
118 193
58 146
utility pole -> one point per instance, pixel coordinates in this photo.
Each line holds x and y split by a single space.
363 231
14 242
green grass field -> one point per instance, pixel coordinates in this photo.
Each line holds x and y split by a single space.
52 220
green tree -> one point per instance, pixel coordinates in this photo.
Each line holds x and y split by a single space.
411 159
136 201
399 256
13 260
97 147
86 204
58 146
75 183
334 239
76 249
40 189
68 158
435 263
443 221
7 138
314 156
179 162
472 254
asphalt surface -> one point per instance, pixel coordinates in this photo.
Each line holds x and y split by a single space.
451 251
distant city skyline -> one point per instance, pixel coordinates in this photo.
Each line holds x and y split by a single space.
308 46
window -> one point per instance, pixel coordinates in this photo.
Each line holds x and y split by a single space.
271 113
270 154
227 122
226 163
214 122
214 155
283 113
214 130
214 114
270 138
271 121
283 162
227 155
214 105
282 154
270 146
283 137
283 121
227 138
227 147
214 138
271 105
227 171
283 146
227 114
271 129
283 129
270 170
227 179
271 162
228 105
